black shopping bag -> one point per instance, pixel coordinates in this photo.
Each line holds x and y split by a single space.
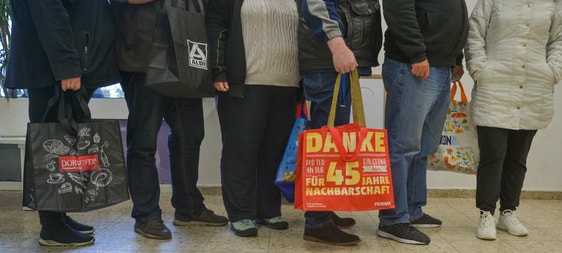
178 64
71 166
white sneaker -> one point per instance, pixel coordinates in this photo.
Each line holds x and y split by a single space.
486 227
511 224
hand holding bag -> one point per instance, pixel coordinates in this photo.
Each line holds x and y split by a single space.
344 168
75 164
178 65
286 173
458 148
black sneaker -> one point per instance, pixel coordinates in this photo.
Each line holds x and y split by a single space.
426 221
342 222
65 236
330 235
206 218
404 233
154 229
82 228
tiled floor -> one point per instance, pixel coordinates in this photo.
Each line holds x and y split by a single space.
114 231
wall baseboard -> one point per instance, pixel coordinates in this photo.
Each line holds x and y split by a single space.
431 193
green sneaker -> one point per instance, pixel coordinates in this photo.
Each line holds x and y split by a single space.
244 228
274 223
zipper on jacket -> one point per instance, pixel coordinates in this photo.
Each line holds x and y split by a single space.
85 51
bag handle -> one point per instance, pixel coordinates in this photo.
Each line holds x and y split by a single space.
358 116
358 111
69 113
456 84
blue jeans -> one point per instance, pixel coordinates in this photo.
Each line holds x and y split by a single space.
319 89
185 118
415 114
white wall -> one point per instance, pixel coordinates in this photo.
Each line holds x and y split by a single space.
544 162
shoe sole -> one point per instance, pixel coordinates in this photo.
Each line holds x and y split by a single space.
398 239
426 225
486 238
314 239
198 223
59 244
271 225
505 229
151 236
88 232
245 234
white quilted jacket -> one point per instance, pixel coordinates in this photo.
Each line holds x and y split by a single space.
514 55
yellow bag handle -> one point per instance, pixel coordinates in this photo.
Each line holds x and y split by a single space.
458 83
356 100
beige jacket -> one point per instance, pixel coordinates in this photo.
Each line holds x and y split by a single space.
514 55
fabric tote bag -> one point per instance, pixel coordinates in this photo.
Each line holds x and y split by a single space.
286 173
458 148
178 64
71 166
344 168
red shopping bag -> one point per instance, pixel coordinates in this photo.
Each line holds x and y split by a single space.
344 168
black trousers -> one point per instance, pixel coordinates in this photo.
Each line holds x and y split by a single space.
254 131
38 100
502 167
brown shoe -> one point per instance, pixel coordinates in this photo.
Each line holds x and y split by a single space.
342 222
330 235
154 229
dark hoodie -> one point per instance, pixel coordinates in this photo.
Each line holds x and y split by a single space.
426 29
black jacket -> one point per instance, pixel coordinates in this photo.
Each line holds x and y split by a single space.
426 29
226 45
56 40
360 25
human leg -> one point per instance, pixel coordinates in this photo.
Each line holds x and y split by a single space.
187 129
319 90
144 121
439 82
492 143
493 147
279 123
410 106
243 124
513 175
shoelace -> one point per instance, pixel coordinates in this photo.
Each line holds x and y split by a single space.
486 220
246 222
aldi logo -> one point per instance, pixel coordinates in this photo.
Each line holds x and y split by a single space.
197 54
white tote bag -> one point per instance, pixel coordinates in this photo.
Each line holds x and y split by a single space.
458 148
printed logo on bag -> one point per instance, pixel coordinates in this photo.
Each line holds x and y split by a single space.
328 178
78 163
197 54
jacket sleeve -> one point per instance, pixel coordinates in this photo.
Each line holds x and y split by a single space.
475 49
218 24
321 18
55 33
403 26
554 46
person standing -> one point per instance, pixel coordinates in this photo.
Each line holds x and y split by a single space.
50 42
423 42
328 46
254 59
135 20
514 55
